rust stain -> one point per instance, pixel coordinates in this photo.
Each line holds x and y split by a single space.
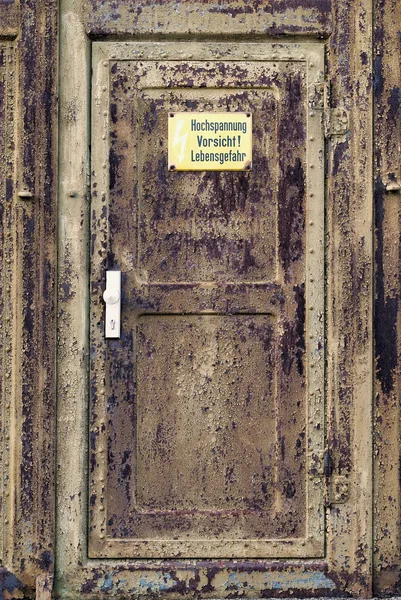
303 17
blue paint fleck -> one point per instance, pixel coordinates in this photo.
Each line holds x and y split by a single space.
167 582
108 584
232 581
143 582
163 582
315 580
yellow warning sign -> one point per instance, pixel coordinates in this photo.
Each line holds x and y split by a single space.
210 141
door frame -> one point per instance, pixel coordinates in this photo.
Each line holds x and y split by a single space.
347 566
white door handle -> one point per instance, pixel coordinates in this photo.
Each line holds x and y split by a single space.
112 298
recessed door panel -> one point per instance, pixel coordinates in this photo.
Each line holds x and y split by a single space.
207 416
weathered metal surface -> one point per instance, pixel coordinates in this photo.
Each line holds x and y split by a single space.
387 440
346 568
205 17
6 161
9 19
27 166
28 117
349 292
232 454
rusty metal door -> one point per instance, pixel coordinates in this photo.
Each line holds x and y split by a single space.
207 416
229 425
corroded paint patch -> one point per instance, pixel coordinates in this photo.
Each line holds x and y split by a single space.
171 17
28 114
387 82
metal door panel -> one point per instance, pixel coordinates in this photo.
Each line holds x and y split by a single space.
207 417
344 30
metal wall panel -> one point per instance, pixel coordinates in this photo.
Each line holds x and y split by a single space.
387 179
28 151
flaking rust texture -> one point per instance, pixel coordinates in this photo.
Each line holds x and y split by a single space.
205 17
387 179
349 288
28 117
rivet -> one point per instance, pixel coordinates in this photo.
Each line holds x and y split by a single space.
311 280
104 88
25 195
5 520
311 336
311 195
72 193
311 365
311 139
310 222
106 63
105 113
103 137
302 57
101 508
311 166
104 165
311 65
311 308
311 114
311 250
101 536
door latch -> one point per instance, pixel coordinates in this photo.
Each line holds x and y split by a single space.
112 298
336 487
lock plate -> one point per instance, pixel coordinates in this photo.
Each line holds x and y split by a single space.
112 299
